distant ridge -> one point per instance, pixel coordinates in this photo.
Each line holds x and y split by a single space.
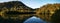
11 4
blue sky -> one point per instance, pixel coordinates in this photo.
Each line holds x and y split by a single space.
34 3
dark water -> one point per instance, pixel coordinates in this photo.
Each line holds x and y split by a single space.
34 20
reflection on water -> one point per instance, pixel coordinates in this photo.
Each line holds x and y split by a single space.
34 20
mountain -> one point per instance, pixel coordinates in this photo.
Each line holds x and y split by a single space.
13 4
46 11
14 12
18 12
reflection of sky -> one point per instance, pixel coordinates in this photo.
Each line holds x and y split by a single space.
35 3
34 20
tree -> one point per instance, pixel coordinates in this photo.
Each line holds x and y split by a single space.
56 17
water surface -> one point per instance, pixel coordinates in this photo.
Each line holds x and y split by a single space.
34 20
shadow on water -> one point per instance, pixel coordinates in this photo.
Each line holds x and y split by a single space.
29 20
9 20
2 20
56 17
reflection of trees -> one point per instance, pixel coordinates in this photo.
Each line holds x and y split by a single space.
9 20
21 17
12 13
20 7
56 17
